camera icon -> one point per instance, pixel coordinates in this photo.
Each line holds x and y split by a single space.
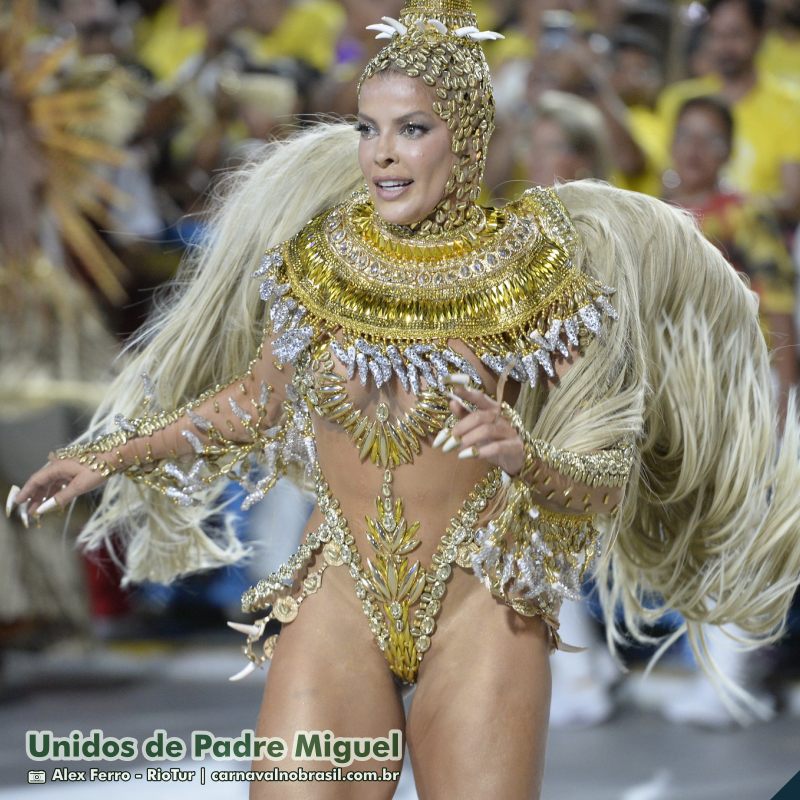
37 776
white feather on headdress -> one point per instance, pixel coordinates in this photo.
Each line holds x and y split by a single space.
390 27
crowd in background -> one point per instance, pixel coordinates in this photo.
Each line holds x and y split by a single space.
696 103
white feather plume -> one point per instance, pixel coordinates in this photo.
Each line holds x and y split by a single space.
389 27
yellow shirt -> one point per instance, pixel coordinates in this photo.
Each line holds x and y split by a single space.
649 132
780 58
164 46
767 135
307 32
750 238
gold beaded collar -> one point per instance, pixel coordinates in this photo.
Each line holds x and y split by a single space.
388 304
487 280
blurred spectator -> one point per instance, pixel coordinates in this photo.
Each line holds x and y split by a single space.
653 18
260 102
579 63
99 27
780 55
337 94
564 141
766 155
304 32
291 39
169 35
697 59
571 60
637 76
747 234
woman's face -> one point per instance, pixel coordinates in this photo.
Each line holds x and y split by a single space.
404 151
548 156
699 149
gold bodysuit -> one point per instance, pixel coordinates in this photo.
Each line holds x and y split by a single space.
366 324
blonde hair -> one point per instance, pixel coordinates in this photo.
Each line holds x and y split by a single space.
709 519
204 332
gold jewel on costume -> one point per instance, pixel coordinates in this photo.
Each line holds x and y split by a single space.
534 558
216 456
384 304
384 441
508 291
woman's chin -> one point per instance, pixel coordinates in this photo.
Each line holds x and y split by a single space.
397 216
396 213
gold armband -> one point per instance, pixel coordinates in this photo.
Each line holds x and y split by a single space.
602 468
89 453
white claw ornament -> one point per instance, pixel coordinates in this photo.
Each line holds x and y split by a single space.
243 673
388 28
11 500
47 506
248 630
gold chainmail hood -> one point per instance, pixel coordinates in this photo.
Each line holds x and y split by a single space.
439 42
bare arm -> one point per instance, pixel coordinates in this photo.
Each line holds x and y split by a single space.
222 419
561 481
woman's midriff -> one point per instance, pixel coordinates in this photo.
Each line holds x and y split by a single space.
430 499
432 488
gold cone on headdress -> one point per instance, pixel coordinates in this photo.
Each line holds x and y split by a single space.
436 7
454 13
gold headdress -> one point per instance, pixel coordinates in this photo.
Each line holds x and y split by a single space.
439 42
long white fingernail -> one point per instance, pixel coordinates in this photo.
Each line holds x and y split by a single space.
441 437
470 452
48 505
451 444
243 673
247 630
12 496
23 514
459 378
459 400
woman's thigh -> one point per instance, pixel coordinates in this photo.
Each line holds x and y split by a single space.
478 723
327 674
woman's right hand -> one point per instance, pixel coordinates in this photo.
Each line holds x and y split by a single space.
51 487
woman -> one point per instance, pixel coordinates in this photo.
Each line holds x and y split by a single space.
565 140
744 229
395 318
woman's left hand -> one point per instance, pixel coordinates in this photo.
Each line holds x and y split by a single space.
485 432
